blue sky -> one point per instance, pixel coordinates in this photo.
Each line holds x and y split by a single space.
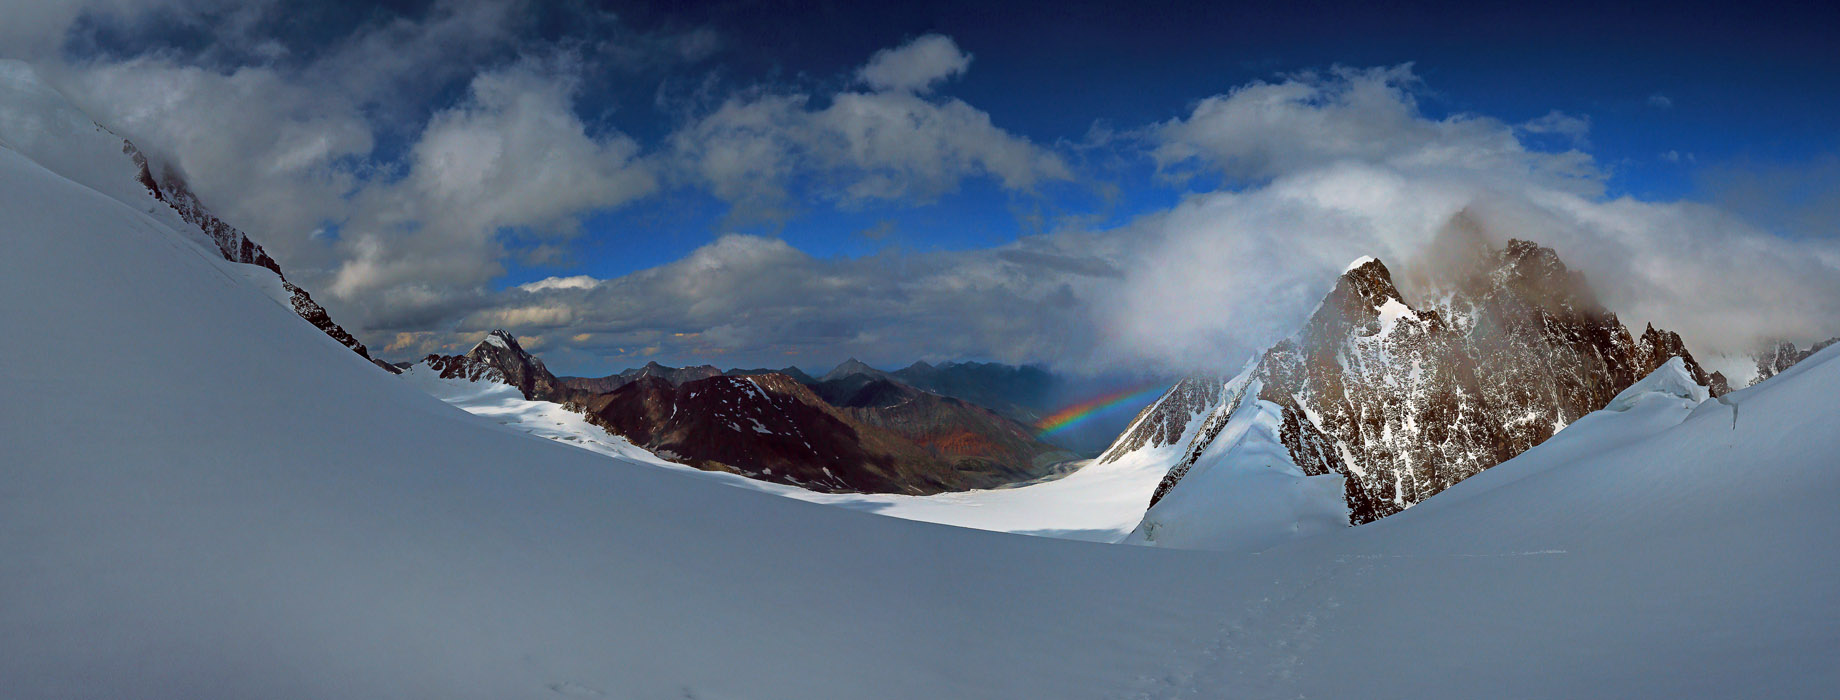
1669 91
687 183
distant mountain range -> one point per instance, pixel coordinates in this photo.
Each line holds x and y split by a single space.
857 429
1024 394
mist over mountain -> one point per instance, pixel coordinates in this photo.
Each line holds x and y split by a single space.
1389 403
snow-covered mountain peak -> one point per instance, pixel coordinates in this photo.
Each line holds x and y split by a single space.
1364 302
499 338
1371 281
499 358
1405 402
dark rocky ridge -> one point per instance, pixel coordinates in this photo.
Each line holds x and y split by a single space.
878 435
1785 355
499 358
773 428
1165 421
795 373
171 189
1404 400
674 375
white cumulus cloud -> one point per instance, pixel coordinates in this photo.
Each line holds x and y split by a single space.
888 144
916 65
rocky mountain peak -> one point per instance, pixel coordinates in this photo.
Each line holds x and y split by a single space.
1363 295
1773 361
1535 276
1405 401
851 367
1168 420
497 341
1369 279
500 358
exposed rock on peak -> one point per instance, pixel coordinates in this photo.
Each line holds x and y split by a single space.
234 246
1403 401
500 358
1167 420
1785 355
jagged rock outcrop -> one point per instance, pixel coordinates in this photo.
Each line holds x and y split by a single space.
1406 400
1785 355
1165 421
235 246
499 358
38 122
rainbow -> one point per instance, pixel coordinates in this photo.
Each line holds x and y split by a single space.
1079 412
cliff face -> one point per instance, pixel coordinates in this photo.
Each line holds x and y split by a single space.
1405 400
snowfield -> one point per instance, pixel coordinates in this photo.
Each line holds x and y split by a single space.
202 496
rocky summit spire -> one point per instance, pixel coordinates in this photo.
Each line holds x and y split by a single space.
1404 401
500 358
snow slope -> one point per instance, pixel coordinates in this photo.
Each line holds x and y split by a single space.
1099 502
1243 493
202 497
